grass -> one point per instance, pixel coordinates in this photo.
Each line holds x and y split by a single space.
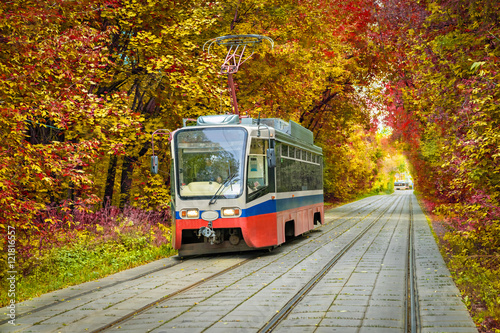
478 279
93 245
71 265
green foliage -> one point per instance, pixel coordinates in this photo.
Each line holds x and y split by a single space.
478 278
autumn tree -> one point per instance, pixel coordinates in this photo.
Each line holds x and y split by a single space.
319 74
443 104
86 85
55 124
310 75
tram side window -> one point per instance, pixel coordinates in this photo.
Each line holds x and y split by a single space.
284 150
257 171
294 174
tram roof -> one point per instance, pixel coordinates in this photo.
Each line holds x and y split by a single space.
287 131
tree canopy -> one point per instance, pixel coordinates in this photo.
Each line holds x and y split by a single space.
85 83
443 105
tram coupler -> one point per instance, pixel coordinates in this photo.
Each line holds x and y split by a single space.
207 232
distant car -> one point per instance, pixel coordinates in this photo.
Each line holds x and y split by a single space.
401 186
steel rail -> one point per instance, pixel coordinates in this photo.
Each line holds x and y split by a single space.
349 211
352 210
412 308
160 300
79 295
282 314
164 298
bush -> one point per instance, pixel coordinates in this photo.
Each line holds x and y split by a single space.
67 249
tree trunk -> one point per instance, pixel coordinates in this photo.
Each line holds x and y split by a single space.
126 181
110 181
127 173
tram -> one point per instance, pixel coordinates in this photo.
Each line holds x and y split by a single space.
239 183
401 185
243 184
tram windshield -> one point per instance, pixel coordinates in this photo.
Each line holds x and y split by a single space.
210 161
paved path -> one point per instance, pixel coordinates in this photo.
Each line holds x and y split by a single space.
366 289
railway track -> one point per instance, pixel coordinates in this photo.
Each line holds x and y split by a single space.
347 218
281 314
84 293
102 287
334 277
164 298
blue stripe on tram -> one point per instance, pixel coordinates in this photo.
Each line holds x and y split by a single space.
273 206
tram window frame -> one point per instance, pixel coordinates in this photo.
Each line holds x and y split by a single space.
195 141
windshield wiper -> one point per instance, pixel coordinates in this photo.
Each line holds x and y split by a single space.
221 187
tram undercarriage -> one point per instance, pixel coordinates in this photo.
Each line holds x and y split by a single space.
225 240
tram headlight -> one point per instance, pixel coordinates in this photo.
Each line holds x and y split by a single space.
190 213
230 212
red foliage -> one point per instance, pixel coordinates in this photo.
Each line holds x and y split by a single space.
55 227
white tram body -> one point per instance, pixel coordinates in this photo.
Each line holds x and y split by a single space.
243 184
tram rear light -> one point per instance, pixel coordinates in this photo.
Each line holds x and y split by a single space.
227 212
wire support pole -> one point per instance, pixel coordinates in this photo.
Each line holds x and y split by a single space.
232 90
236 46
